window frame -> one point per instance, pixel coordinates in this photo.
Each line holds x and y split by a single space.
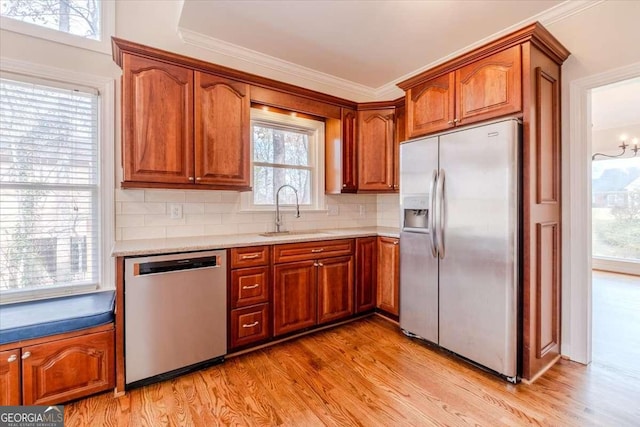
103 45
105 208
316 131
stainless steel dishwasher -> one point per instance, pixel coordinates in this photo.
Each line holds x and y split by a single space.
175 314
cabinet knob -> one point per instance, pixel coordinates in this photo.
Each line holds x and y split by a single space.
395 186
199 178
390 185
190 178
344 185
12 358
315 264
450 122
320 264
26 355
395 242
250 325
455 120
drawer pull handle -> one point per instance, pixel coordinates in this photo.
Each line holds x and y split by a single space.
315 251
251 325
12 358
252 256
26 355
257 285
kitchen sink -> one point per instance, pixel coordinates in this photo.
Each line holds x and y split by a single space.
294 233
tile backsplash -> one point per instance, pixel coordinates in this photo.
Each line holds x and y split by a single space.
145 214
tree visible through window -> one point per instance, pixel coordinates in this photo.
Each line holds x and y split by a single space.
48 186
78 17
616 208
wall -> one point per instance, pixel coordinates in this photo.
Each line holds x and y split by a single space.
144 214
601 38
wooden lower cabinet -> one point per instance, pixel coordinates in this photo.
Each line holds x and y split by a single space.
10 377
294 296
249 325
388 291
366 273
335 288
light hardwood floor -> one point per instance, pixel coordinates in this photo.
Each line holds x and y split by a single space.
616 323
366 373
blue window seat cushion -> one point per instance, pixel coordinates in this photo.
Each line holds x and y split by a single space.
35 319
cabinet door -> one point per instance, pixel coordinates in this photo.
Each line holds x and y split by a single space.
349 154
335 288
431 106
375 149
67 369
222 122
294 296
10 377
388 275
366 273
157 121
490 87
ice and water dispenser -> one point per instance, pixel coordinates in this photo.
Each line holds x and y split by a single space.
415 214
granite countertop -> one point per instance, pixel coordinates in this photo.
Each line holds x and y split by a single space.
187 244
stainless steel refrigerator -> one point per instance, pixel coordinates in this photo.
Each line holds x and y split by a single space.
459 210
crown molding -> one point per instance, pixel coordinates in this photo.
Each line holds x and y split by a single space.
257 58
389 90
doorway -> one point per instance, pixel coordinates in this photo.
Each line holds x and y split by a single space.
615 230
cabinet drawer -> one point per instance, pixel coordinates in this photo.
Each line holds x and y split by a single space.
312 250
249 325
250 256
249 286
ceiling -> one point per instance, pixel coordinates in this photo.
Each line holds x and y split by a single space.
365 43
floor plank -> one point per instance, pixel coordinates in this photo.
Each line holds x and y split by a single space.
366 373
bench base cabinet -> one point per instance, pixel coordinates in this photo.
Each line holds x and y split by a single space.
58 371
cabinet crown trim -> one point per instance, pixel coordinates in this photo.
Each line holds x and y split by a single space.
534 33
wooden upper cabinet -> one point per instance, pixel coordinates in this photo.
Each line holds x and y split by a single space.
431 106
349 154
10 377
157 121
222 145
490 87
376 150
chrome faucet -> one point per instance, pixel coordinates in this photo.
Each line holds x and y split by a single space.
278 219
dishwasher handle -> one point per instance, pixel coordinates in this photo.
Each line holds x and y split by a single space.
155 267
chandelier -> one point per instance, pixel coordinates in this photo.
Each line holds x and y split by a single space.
624 145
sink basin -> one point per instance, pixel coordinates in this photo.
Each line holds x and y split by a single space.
293 233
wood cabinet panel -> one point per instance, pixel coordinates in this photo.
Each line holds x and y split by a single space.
490 87
157 121
431 106
349 152
10 378
311 250
68 369
251 256
388 291
222 144
249 286
376 150
335 288
366 273
249 325
294 296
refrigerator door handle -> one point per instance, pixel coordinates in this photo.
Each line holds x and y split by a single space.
441 212
432 214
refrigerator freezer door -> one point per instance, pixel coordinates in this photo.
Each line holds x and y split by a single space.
418 265
478 273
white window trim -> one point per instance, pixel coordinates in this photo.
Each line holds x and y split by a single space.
106 193
107 29
317 153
